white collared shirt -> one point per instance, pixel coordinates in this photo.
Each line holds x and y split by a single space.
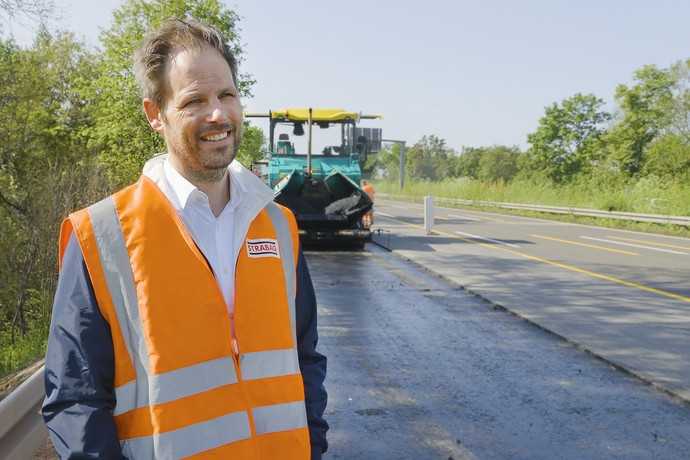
213 235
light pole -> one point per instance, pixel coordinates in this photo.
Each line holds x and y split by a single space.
402 159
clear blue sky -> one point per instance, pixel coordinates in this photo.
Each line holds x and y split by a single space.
474 73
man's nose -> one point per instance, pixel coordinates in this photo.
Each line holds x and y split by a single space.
218 114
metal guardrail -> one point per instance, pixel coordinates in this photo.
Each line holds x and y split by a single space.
629 216
22 431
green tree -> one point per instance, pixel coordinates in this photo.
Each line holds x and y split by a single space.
669 157
647 108
252 147
567 138
467 163
679 118
428 159
121 133
498 163
46 168
388 161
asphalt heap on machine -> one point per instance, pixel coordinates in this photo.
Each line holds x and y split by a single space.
324 191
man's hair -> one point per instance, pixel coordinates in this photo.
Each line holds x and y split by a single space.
160 46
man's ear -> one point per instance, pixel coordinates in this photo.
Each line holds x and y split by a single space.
153 115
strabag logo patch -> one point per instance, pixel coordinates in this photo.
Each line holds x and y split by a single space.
263 248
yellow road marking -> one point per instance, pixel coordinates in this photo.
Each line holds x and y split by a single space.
572 268
663 245
594 246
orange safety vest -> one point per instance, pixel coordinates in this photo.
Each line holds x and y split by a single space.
184 388
369 190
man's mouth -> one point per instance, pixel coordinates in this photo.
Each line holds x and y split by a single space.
215 137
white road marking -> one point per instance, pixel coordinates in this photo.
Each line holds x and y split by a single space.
455 216
379 213
651 243
669 251
487 239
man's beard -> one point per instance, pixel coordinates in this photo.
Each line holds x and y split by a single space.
214 162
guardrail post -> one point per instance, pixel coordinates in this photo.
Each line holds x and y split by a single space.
428 214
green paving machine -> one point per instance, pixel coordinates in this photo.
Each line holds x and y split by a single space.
324 190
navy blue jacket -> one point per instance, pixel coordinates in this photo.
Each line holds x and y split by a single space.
79 366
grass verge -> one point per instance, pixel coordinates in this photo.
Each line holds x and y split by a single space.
649 195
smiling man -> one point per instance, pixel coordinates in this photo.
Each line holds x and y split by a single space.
184 322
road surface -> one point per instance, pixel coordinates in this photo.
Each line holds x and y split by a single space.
420 369
624 295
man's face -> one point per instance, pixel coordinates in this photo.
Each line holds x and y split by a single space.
202 118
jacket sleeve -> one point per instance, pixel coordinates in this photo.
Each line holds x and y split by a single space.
79 368
312 364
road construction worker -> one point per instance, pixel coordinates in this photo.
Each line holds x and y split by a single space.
368 189
184 321
368 218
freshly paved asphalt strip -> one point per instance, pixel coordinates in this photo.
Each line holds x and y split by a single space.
623 295
420 369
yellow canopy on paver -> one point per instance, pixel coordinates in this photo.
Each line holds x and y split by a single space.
302 114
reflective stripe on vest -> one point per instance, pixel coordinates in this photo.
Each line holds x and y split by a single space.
120 282
283 232
273 363
190 383
191 440
279 417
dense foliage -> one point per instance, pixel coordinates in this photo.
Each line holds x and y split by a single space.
73 131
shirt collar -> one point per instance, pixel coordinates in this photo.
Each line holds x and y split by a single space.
252 197
183 189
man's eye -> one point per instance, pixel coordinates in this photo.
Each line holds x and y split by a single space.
192 102
224 95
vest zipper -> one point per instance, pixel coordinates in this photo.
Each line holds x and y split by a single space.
236 350
234 344
233 336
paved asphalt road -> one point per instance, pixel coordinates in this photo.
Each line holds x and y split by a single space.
420 369
623 295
